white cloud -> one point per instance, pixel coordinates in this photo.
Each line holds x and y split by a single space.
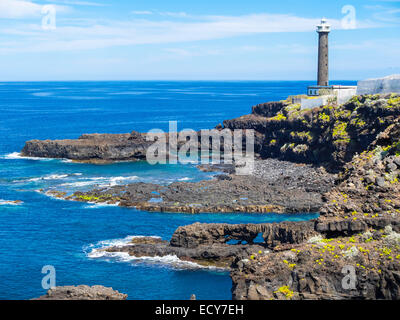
15 9
193 52
78 3
85 35
386 14
375 45
144 12
21 9
175 14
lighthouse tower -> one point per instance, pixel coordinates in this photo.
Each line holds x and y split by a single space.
323 30
323 93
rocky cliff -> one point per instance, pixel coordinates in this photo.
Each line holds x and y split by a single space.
91 147
356 254
330 135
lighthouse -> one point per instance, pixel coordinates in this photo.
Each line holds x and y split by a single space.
323 30
323 93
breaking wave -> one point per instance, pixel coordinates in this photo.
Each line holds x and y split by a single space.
97 251
100 181
17 155
10 202
50 177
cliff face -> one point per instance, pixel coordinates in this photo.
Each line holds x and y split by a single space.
273 234
358 232
368 186
329 135
100 147
341 268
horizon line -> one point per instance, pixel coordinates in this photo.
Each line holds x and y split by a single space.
174 80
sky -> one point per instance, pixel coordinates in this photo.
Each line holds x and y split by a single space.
45 40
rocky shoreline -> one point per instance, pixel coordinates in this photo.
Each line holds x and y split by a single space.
275 186
350 173
211 245
294 260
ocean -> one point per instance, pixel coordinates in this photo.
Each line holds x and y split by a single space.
41 230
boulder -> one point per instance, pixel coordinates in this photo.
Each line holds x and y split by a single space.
82 292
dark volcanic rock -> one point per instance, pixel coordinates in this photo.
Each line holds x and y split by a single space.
197 234
91 147
82 292
275 186
358 230
288 233
330 135
356 196
269 109
215 254
210 244
317 270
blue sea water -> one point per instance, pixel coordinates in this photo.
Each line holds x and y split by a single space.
46 231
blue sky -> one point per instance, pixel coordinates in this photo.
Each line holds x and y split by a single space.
195 40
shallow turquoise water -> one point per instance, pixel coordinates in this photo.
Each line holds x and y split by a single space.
46 231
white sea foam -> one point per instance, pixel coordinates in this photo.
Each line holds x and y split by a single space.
78 184
10 203
80 98
50 177
17 156
116 242
169 260
94 205
55 176
97 251
100 181
185 179
42 94
116 180
129 93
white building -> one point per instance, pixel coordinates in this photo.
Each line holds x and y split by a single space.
321 95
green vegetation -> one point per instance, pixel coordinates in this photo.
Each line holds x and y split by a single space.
393 102
339 132
285 291
303 135
93 198
279 117
324 117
